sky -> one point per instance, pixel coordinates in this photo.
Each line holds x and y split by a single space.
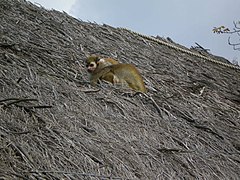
184 21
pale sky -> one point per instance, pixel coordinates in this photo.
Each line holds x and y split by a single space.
185 22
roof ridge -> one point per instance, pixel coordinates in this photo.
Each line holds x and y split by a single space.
181 49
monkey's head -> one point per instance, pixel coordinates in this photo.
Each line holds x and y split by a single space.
92 63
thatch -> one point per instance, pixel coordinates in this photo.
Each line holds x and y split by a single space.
54 125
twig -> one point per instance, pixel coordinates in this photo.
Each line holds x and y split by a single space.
8 99
19 150
88 129
35 107
207 129
172 150
16 101
154 103
95 159
202 48
24 132
90 90
233 44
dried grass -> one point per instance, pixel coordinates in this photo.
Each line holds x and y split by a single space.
54 125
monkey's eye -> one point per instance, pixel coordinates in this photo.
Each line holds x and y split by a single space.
90 65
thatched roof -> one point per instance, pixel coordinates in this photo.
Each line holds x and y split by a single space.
54 125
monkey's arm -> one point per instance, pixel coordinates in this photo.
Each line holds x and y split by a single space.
98 75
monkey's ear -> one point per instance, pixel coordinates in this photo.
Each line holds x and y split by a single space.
98 58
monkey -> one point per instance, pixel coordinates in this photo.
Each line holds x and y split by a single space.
95 63
116 73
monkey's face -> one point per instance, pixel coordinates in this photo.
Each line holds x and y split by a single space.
91 67
92 63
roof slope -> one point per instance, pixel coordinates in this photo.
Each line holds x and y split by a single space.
54 125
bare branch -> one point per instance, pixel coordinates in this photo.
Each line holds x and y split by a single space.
225 30
234 44
236 24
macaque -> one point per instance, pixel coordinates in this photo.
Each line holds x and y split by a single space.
116 73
